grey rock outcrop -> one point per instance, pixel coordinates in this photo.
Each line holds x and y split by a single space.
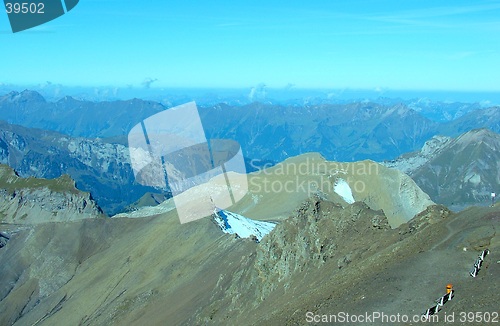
32 200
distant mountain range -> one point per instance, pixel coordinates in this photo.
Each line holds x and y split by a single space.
74 117
440 111
341 132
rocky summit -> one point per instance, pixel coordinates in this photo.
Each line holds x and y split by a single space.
457 171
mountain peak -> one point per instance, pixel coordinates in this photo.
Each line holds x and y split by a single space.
458 171
16 98
482 132
67 99
477 136
28 95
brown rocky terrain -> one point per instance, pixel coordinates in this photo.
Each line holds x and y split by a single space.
325 256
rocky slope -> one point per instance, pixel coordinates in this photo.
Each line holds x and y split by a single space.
32 200
347 132
456 171
324 258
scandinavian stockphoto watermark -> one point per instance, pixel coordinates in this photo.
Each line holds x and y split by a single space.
169 150
368 317
381 318
26 14
312 176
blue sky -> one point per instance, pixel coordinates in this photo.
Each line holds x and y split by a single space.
429 45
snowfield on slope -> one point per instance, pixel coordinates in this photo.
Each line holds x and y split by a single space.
343 190
232 223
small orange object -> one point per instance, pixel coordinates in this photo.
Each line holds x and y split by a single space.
449 287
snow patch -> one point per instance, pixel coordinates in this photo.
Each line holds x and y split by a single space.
232 223
343 190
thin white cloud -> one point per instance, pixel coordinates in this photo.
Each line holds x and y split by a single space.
148 81
426 17
258 92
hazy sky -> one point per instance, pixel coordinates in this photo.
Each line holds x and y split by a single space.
432 45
